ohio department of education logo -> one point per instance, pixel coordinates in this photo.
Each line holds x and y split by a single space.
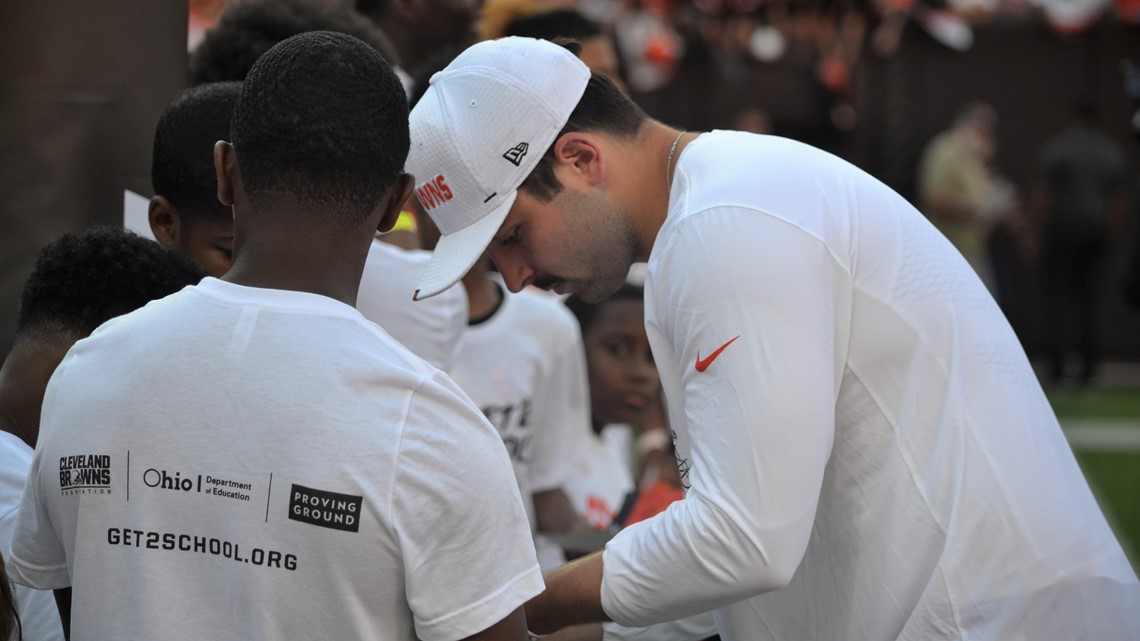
85 474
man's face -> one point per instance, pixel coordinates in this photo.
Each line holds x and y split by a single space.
210 243
579 242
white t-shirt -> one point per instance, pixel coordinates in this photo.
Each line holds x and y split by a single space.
867 452
526 370
432 328
39 616
600 490
243 463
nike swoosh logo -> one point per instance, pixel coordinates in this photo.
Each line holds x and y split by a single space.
703 363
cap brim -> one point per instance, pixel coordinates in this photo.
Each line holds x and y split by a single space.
456 253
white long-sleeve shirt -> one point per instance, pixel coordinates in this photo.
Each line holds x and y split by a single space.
867 451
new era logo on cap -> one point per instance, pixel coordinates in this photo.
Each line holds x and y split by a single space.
472 117
515 154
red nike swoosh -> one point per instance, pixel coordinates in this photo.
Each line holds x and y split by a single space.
703 364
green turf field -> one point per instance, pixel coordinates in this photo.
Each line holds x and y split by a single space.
1103 426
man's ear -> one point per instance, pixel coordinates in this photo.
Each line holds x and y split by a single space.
225 167
580 153
165 223
398 195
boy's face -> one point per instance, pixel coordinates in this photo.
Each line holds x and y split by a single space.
209 242
623 378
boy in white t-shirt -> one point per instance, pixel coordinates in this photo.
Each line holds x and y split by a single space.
522 363
625 389
251 458
80 280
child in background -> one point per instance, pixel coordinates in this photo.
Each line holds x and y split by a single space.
185 213
625 389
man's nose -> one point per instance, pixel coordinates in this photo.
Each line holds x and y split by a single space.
515 272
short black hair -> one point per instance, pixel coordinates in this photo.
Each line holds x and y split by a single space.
182 165
556 23
603 108
586 313
85 278
322 120
249 28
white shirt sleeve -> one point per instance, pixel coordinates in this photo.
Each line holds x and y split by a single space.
38 556
463 532
759 420
37 559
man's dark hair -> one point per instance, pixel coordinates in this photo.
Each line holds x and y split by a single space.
603 108
182 165
85 278
322 120
249 28
557 23
586 313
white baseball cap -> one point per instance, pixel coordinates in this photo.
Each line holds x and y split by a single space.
477 133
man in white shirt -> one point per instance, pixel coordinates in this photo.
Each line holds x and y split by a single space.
251 458
866 451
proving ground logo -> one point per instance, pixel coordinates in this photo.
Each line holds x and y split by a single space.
326 509
85 474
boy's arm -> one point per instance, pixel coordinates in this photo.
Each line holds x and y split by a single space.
573 595
511 628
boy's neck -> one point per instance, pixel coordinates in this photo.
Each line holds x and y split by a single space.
23 380
301 258
484 295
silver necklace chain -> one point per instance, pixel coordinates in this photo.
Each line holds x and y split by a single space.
669 161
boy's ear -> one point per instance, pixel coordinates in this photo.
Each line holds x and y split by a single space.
397 196
165 223
225 166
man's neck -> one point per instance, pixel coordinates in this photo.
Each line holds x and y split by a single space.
647 177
